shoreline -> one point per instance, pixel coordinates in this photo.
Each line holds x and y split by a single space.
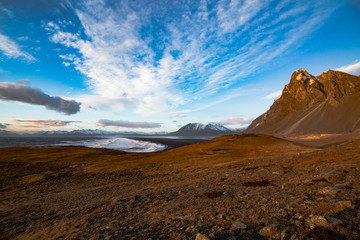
170 143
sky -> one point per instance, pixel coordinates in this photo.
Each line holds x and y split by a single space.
156 65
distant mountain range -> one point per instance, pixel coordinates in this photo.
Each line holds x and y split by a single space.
80 132
198 129
189 130
328 103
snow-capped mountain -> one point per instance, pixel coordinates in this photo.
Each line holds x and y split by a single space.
198 129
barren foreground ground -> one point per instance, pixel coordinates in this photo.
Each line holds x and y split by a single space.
232 187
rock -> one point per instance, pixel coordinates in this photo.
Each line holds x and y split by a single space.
321 221
238 225
277 173
335 175
270 231
342 205
329 191
343 186
333 221
199 236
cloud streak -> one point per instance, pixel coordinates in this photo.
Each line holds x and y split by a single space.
177 115
351 68
21 93
236 121
127 124
273 95
156 58
12 50
42 123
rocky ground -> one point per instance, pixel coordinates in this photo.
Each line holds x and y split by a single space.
232 187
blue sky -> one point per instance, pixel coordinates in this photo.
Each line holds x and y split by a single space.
156 65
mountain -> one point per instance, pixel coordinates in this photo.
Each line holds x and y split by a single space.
329 103
4 133
198 129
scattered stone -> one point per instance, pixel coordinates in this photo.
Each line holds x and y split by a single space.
320 221
335 175
329 191
199 236
333 221
342 205
238 225
270 231
343 186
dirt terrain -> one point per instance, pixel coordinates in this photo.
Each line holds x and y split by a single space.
246 186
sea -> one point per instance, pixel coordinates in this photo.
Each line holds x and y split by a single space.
110 142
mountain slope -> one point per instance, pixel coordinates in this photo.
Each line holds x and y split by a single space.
329 103
198 129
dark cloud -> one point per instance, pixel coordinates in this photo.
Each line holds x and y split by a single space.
127 124
43 123
21 93
4 125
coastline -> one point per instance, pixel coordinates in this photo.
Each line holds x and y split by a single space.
171 143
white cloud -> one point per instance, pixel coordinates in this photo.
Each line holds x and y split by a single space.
66 64
237 121
273 95
192 55
353 69
12 50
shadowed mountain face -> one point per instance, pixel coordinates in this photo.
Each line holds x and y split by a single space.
329 103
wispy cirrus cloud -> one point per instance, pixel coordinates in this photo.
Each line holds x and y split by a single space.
12 50
273 95
237 121
22 93
155 58
177 115
351 68
127 124
42 123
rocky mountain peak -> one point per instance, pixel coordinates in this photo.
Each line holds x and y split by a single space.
198 129
330 94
